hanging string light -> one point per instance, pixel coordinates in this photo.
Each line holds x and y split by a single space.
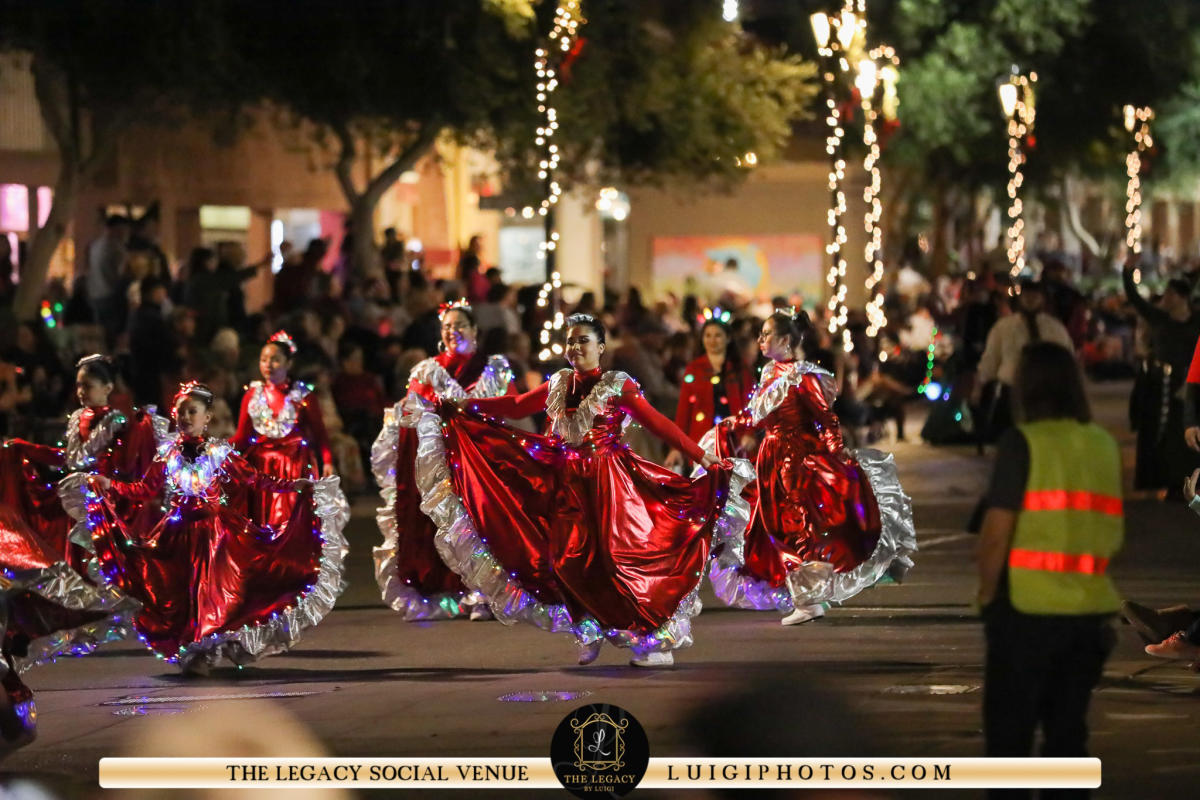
870 76
567 19
1016 98
847 28
1137 122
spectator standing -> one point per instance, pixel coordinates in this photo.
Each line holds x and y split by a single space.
998 365
1054 521
1163 458
470 271
106 262
206 293
152 345
359 396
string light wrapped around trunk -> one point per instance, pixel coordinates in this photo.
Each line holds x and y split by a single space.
1137 122
567 19
1017 101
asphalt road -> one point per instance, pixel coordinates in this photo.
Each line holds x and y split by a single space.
903 662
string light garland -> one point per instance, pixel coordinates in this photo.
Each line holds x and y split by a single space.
849 27
869 77
928 388
1137 122
1016 98
567 19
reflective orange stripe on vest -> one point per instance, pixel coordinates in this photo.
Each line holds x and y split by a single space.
1063 500
1057 562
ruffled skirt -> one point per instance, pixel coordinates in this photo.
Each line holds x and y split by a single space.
412 577
214 584
598 543
822 530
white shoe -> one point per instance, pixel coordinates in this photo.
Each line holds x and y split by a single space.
589 652
804 614
481 613
655 659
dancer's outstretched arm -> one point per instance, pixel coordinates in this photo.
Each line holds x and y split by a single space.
634 403
509 406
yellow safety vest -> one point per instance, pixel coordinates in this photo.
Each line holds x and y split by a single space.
1071 522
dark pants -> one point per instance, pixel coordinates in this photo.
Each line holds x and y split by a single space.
1040 672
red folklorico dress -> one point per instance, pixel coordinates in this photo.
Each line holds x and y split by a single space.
827 523
411 575
572 532
211 581
43 486
281 433
47 609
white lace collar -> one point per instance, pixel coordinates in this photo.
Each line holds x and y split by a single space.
573 426
80 454
266 422
492 382
193 477
771 391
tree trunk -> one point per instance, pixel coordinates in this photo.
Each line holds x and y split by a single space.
1070 210
364 256
59 108
939 255
45 241
365 261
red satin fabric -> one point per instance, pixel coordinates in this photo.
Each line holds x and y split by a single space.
417 561
292 456
811 501
595 527
29 615
696 412
201 567
29 474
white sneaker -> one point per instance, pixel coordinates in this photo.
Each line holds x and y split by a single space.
804 614
589 652
481 612
655 659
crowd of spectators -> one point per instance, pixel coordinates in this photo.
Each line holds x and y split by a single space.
358 337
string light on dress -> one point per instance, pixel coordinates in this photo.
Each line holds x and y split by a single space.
1137 122
1016 98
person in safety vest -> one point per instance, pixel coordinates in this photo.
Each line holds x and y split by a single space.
1054 521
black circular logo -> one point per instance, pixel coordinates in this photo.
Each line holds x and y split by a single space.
599 751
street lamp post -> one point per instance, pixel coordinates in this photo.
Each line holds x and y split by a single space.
1137 122
1017 101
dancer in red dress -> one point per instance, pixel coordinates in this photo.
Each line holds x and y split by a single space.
715 386
827 523
47 609
211 582
412 576
280 429
572 532
43 486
